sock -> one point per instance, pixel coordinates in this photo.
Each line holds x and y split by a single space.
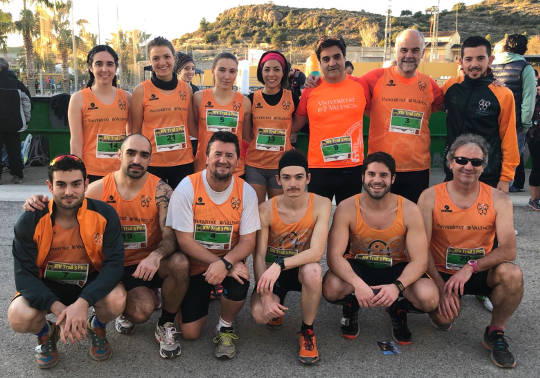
166 317
350 305
44 330
223 323
97 324
493 328
405 305
305 326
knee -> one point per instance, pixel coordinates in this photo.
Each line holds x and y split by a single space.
138 310
509 275
426 298
115 301
311 275
330 291
178 265
21 319
235 291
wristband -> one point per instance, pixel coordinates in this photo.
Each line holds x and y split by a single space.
474 265
399 285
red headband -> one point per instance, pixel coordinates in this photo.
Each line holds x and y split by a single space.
274 56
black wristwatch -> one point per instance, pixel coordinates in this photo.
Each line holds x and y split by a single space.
399 285
228 265
281 262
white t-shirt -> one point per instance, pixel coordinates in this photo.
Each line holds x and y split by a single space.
180 213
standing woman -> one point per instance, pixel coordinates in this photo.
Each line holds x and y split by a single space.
185 68
161 112
98 115
221 109
271 113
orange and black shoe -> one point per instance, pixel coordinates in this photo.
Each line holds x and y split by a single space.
308 353
400 331
275 323
46 352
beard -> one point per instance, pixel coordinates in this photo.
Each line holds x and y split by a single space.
135 174
69 206
379 195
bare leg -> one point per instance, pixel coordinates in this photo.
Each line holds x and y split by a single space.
112 305
506 280
175 273
334 288
423 294
310 276
139 304
25 319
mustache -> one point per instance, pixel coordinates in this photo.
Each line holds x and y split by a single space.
135 165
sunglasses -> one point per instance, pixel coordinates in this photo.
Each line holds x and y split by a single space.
62 157
463 161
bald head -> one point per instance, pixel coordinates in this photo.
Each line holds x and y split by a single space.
135 155
133 138
409 51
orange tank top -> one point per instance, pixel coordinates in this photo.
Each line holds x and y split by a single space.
399 117
215 227
139 218
336 113
289 239
104 130
67 261
214 117
271 130
378 248
459 235
165 124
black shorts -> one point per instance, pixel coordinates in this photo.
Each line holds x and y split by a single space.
476 285
374 277
197 298
172 175
131 282
287 281
339 182
66 293
411 184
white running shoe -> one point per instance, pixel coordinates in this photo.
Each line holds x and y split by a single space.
166 336
123 326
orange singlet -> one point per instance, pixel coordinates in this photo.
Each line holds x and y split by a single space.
459 235
289 239
378 248
104 130
139 218
271 130
214 117
215 227
399 117
67 261
165 124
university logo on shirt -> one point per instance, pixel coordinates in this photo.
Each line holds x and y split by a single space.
422 85
286 105
182 95
145 201
482 208
483 106
236 106
122 104
235 203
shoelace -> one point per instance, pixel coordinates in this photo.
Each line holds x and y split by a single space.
169 335
308 340
500 342
226 338
97 341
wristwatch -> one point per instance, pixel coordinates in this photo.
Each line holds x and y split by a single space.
281 262
474 265
399 285
228 265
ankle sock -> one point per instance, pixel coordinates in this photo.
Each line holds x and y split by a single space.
494 328
305 326
44 330
223 323
97 324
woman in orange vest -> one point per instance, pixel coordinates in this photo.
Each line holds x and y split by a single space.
161 112
221 109
271 113
98 115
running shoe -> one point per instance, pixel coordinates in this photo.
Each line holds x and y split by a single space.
534 204
308 353
400 331
224 343
349 322
486 302
169 347
123 325
46 352
100 349
275 323
497 344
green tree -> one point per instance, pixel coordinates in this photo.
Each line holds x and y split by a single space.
406 12
203 25
6 26
459 7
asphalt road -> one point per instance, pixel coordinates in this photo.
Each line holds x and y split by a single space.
272 353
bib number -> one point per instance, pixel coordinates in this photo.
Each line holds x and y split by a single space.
135 236
374 261
271 140
336 149
108 145
170 138
212 236
221 120
67 273
273 253
457 257
406 121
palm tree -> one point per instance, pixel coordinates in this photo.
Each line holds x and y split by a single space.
62 34
6 26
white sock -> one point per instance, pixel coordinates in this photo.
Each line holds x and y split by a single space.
223 323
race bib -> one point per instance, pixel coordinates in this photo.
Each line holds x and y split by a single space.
108 145
406 121
457 257
221 120
134 236
374 261
271 140
67 273
213 236
335 149
170 138
272 253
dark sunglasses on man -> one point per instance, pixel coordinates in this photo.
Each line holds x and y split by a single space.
475 162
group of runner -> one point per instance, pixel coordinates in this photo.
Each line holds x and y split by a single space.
189 222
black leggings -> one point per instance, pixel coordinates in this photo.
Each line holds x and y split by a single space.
534 149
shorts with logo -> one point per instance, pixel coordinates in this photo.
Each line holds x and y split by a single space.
261 176
374 277
197 299
476 285
131 282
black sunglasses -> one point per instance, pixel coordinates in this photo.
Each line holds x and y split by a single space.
463 161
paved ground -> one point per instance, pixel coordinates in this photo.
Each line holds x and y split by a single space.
268 353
